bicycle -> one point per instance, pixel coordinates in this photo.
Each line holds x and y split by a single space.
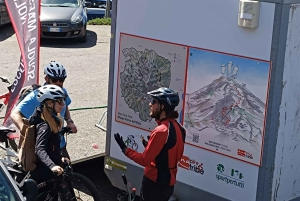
66 187
4 98
70 185
10 160
125 195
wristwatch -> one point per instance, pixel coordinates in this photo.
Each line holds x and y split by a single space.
69 120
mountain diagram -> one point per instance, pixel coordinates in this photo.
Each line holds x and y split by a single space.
228 107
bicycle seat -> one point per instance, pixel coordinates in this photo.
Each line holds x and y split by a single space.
13 135
4 129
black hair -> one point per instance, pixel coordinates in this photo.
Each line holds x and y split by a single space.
170 112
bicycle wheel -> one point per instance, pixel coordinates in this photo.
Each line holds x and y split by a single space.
84 189
42 196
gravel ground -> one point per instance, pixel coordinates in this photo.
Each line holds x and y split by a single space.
87 67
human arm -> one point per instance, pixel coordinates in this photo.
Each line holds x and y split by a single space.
24 109
155 144
16 118
70 122
43 133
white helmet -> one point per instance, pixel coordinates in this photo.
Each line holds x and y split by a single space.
50 91
55 70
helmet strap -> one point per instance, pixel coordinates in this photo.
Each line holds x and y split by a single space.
53 113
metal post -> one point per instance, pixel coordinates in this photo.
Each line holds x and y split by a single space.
107 9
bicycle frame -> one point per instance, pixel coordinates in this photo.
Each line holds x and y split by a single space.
61 184
126 195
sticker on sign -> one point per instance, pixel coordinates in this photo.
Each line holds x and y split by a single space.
54 29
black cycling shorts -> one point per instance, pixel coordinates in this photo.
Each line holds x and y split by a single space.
151 191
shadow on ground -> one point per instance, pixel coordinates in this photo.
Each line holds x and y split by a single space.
6 31
93 169
70 43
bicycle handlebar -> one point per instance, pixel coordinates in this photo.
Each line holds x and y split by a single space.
66 173
65 130
124 179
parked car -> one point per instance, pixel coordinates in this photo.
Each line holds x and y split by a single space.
97 8
63 19
9 191
98 4
4 17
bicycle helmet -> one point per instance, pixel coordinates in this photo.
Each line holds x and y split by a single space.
55 70
50 91
165 96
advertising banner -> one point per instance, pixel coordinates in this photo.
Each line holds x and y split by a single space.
24 15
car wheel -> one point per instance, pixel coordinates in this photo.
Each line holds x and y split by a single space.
83 39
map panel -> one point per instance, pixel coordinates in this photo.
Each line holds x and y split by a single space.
145 65
225 104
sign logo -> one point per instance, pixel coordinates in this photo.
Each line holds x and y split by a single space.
245 154
54 24
191 164
230 176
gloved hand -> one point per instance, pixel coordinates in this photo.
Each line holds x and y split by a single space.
144 142
119 140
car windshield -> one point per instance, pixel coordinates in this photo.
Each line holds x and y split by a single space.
60 3
6 191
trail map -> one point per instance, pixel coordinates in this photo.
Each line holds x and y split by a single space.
145 65
225 110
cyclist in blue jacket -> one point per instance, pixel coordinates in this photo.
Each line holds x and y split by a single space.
55 73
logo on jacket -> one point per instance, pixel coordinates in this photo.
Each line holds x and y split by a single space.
191 164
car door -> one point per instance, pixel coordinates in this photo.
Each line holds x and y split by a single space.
4 17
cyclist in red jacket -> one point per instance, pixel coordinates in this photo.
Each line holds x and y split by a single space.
163 150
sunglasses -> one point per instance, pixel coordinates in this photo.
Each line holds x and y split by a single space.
54 80
60 101
153 101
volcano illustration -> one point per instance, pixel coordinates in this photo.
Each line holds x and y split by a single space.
229 108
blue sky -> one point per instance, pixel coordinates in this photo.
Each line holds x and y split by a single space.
205 66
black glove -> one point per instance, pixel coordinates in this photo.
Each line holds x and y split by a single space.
144 142
119 140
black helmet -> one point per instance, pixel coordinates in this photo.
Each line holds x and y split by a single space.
165 96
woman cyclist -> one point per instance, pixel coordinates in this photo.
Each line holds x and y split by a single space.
48 122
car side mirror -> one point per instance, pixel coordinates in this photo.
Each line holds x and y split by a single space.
30 190
87 4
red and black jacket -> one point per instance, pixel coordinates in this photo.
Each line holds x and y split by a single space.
163 152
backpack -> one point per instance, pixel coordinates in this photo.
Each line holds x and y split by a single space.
27 90
26 154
